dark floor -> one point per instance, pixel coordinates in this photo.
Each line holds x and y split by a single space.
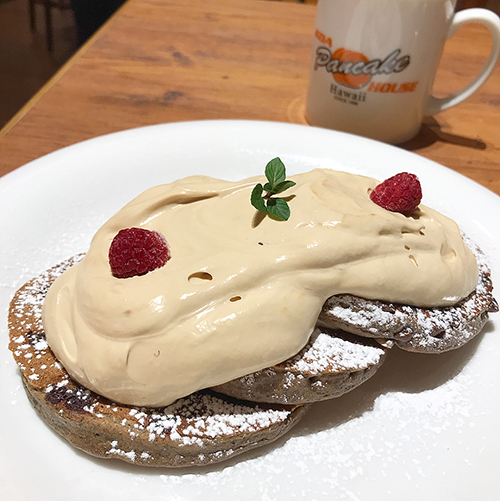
25 62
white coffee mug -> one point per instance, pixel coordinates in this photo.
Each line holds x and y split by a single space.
374 63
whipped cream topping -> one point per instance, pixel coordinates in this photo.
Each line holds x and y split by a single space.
241 291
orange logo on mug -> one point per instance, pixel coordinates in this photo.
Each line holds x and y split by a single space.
346 73
353 69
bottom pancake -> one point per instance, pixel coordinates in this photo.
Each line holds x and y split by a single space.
202 428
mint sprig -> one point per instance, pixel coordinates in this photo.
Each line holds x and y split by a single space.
276 183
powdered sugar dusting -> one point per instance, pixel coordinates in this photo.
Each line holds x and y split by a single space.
327 352
212 417
351 448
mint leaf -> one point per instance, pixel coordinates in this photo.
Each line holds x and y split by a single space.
284 185
278 208
256 198
275 172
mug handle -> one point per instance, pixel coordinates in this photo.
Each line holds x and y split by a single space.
492 22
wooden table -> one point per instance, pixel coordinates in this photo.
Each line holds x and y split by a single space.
161 61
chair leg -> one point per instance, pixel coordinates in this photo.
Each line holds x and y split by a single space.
48 26
31 6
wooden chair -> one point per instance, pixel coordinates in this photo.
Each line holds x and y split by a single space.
48 5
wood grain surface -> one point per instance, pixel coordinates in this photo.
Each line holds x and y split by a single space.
162 61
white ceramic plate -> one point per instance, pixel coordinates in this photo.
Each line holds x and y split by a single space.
424 427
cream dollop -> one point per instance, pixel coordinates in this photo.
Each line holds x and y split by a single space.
241 291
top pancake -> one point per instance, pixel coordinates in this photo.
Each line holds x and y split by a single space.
422 330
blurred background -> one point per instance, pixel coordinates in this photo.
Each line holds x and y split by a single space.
38 36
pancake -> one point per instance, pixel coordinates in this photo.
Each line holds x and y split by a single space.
421 330
332 363
202 428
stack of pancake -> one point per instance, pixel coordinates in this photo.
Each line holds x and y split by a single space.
352 339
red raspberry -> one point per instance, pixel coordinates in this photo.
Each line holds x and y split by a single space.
400 193
137 251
